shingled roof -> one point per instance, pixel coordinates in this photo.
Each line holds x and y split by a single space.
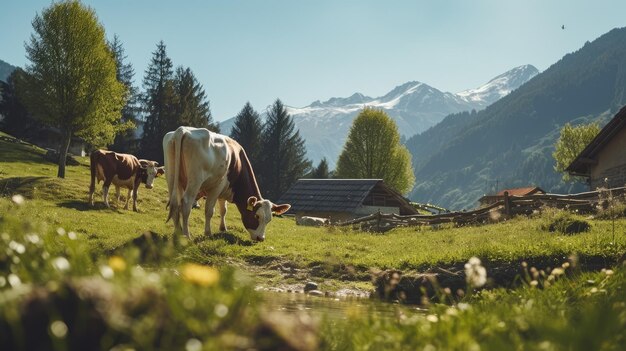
588 157
329 195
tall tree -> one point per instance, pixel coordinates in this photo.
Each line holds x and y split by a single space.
321 171
192 108
70 81
16 119
125 74
283 152
158 103
247 131
571 142
373 150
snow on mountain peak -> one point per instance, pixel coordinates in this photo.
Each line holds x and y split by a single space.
499 86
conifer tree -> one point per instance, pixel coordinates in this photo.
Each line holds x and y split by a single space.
158 103
283 152
16 120
192 107
125 75
321 171
247 131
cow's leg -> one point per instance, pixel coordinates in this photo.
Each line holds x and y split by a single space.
209 209
186 202
128 198
222 215
135 190
92 189
117 193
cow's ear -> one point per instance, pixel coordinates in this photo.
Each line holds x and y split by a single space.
155 163
280 209
251 202
160 171
144 163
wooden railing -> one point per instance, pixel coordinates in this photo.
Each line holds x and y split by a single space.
509 206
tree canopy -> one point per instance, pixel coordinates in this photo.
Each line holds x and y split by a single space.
373 150
247 131
572 141
283 151
71 81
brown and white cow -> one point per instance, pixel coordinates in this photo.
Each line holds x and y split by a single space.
202 163
121 170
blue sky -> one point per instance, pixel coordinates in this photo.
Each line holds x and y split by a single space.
301 51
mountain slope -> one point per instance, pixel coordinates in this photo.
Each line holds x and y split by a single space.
510 142
414 106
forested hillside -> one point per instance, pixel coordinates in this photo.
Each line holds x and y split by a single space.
510 143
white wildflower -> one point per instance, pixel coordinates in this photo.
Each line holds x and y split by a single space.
193 345
106 272
17 247
61 231
432 318
18 199
221 310
58 329
14 280
72 235
475 273
61 264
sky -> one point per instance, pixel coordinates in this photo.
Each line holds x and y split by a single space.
302 51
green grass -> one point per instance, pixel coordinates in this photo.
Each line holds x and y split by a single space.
150 305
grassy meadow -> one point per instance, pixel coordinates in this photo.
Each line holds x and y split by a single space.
91 281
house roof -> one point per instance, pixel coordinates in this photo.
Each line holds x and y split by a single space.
521 191
330 195
587 157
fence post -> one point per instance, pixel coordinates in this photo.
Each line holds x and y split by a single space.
507 204
378 224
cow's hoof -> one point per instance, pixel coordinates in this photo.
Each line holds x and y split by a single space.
223 229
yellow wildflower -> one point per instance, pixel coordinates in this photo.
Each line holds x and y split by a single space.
200 275
117 263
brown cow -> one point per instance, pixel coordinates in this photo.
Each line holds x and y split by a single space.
121 170
202 163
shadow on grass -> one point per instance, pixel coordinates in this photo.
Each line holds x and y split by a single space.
230 238
84 206
23 185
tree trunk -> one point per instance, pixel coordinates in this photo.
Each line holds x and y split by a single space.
66 137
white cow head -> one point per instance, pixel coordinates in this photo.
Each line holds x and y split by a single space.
259 214
149 171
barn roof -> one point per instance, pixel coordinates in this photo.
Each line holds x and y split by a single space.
522 191
330 195
588 157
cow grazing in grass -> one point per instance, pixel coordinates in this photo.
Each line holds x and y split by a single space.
202 163
121 170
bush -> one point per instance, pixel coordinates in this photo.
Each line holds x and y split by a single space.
563 222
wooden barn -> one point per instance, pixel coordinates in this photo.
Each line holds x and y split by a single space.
490 199
603 161
344 199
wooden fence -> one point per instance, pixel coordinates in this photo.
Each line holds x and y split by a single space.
586 202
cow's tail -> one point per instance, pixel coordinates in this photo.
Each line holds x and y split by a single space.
174 203
93 162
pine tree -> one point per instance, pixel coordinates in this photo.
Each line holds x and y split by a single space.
192 107
16 120
124 142
247 131
158 103
283 151
321 171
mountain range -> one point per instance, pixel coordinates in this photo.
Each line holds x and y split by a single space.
510 143
414 106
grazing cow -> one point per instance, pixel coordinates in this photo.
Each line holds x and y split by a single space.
121 170
202 163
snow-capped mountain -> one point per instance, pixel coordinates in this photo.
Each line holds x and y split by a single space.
414 106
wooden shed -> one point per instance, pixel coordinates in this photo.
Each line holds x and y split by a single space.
490 199
603 161
343 199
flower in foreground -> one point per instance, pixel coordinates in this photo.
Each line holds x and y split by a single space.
117 263
475 273
200 275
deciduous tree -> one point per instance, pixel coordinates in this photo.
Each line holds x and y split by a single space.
71 79
572 141
373 150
